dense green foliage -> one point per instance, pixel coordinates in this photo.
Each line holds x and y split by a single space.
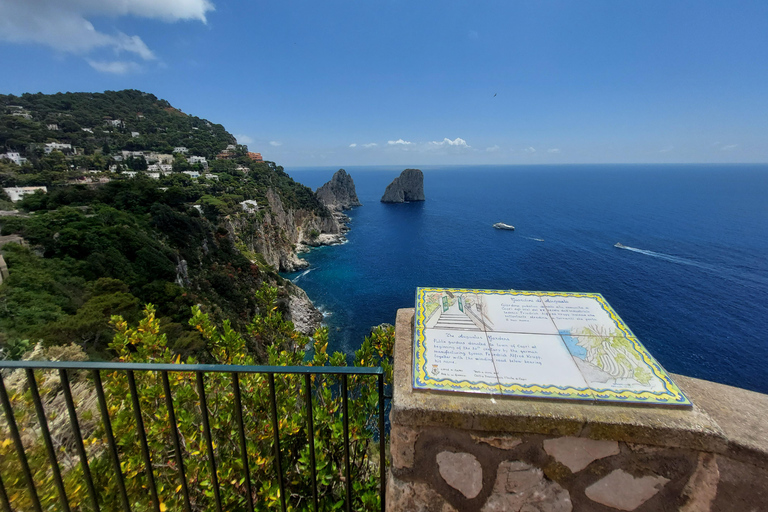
146 343
161 127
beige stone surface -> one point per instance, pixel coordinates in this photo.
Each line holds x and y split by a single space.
724 420
741 414
500 442
522 487
701 489
414 497
576 453
461 471
402 440
623 491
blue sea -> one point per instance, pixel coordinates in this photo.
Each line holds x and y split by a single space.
692 283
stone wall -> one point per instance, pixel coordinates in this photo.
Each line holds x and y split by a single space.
457 452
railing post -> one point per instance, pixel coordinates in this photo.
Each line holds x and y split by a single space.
19 446
176 443
243 446
47 439
276 433
311 436
345 423
111 440
78 437
382 448
208 440
143 439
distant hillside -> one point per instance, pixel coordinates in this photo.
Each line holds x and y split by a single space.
90 121
123 223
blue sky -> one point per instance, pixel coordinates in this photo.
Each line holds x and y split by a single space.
422 82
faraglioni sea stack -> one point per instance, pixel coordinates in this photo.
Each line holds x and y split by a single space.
339 193
409 186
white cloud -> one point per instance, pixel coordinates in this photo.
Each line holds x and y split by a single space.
117 67
530 149
448 142
729 147
275 143
493 149
243 139
400 142
667 149
553 150
370 145
64 25
353 145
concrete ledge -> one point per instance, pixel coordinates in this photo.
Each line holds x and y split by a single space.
724 420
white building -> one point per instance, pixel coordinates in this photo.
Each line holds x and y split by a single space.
250 206
129 174
154 175
14 157
117 123
87 130
17 193
192 174
180 149
198 160
135 134
53 127
166 168
55 146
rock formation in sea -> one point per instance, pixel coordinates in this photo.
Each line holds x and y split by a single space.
409 186
339 193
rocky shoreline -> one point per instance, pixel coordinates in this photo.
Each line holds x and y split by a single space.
337 195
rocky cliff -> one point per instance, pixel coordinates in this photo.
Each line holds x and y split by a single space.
278 232
409 186
339 193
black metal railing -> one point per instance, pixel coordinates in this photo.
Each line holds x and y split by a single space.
94 373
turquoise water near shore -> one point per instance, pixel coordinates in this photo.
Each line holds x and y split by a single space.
692 282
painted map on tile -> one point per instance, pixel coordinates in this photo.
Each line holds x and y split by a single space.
558 345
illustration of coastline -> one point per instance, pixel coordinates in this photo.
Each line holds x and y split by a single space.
535 344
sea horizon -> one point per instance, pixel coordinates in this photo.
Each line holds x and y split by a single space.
693 277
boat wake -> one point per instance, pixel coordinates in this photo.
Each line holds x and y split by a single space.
534 239
302 275
733 275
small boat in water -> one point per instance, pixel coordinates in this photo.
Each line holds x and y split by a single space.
501 225
620 246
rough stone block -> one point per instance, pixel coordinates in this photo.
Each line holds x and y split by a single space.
701 489
414 497
578 452
623 491
500 442
402 440
521 487
461 471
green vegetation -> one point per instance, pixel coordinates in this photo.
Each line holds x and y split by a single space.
113 269
145 342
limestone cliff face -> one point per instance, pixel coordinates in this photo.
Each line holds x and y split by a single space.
339 193
276 232
409 186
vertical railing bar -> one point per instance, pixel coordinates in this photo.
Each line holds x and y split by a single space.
382 453
176 442
47 439
19 446
311 437
110 439
143 438
276 433
78 437
4 497
345 412
243 446
208 440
